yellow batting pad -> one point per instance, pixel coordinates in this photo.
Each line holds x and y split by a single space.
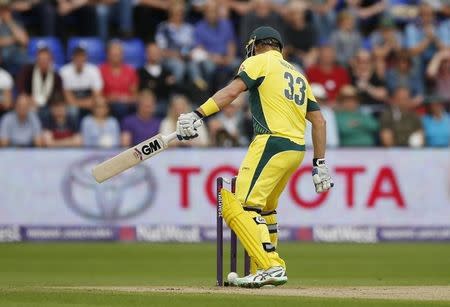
241 222
271 221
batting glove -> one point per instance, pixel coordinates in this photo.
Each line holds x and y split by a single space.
187 126
321 176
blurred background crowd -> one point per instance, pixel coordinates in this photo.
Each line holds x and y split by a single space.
109 73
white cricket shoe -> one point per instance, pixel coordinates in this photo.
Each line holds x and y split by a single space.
275 276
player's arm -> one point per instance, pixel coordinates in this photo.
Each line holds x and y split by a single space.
321 177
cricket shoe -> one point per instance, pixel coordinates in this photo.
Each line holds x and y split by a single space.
275 276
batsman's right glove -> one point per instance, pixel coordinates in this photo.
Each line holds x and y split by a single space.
321 176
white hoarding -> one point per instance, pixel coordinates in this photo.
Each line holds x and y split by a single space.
372 187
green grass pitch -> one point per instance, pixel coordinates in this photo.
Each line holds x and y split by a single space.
32 274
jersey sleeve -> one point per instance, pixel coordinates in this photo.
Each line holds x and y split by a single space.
312 104
252 71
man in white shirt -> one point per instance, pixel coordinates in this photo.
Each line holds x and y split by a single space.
82 82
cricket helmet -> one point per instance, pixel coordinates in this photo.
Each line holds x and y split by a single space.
269 35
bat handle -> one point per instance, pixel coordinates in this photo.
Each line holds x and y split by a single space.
169 138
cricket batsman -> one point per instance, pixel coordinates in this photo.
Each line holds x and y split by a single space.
281 101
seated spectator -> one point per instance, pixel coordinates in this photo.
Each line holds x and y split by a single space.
300 36
370 85
6 87
386 41
355 128
60 130
120 82
13 40
176 38
82 82
224 128
39 14
436 123
328 114
100 129
178 105
118 11
346 40
21 126
366 12
40 81
438 71
327 73
156 77
148 14
140 126
404 74
215 47
324 17
400 125
425 36
260 14
82 12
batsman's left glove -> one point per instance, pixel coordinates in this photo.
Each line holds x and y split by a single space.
187 126
321 176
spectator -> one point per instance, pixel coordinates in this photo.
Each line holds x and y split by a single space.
328 114
366 12
370 85
327 73
120 82
6 87
400 126
261 14
80 11
178 105
300 36
324 17
40 81
424 37
436 123
224 128
82 82
20 127
148 14
156 77
140 126
215 46
386 41
346 39
39 14
438 71
13 39
355 128
119 11
60 130
100 129
176 38
404 74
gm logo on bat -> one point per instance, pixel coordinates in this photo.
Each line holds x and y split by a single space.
151 147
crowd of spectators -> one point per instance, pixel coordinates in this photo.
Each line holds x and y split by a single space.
379 69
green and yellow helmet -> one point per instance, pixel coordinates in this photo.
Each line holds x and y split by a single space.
268 35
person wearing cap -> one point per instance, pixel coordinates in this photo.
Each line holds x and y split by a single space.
355 128
436 122
82 82
13 39
399 124
386 40
281 101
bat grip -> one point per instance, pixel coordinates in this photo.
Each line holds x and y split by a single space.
169 138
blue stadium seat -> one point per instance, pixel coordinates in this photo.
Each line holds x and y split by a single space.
53 43
134 52
95 48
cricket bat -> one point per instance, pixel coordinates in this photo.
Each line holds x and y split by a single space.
134 155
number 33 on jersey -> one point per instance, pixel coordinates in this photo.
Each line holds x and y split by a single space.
280 96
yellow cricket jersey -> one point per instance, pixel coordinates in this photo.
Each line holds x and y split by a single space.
280 96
